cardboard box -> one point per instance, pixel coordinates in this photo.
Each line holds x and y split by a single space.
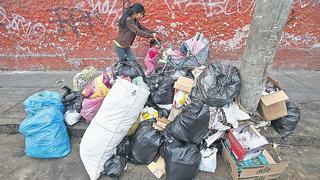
271 171
273 106
184 84
158 168
236 147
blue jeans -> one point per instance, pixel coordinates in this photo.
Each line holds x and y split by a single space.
124 53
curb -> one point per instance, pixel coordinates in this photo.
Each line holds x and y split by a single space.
78 130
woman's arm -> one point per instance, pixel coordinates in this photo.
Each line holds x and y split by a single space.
132 25
144 28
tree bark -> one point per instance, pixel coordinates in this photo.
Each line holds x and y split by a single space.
268 22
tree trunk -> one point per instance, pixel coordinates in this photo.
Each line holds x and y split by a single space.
268 21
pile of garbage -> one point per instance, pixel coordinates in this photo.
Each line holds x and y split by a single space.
175 121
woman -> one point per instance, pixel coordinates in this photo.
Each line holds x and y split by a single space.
129 28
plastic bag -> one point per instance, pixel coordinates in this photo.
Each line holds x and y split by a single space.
45 134
110 125
129 68
71 117
139 82
217 85
191 125
208 160
96 88
81 79
182 161
145 143
286 125
161 88
179 99
90 108
42 100
114 166
164 113
148 113
71 100
123 149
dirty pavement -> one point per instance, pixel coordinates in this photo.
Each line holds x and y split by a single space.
182 122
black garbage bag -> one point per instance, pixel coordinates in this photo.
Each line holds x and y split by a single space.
130 69
287 124
123 149
145 143
191 125
163 113
114 166
217 85
72 100
182 161
161 89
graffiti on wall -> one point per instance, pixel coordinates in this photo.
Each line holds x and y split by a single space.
24 29
216 7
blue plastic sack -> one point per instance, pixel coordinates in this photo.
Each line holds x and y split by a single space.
42 100
45 134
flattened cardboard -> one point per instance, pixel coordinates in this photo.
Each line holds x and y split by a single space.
158 168
271 171
173 113
184 84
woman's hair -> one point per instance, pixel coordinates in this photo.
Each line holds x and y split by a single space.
135 8
153 42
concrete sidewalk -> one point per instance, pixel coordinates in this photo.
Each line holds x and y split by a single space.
302 87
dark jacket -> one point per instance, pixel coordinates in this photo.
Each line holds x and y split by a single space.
131 29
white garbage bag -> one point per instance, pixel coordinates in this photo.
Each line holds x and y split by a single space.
119 110
208 160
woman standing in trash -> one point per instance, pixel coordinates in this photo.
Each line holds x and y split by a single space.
129 28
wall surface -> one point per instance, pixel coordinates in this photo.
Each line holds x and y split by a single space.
71 34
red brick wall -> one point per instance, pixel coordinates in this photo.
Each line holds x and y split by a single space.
71 34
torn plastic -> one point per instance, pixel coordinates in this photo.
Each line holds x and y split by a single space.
182 160
191 125
217 85
234 114
208 160
145 143
114 166
287 124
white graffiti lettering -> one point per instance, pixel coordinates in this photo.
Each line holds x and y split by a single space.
21 27
107 7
